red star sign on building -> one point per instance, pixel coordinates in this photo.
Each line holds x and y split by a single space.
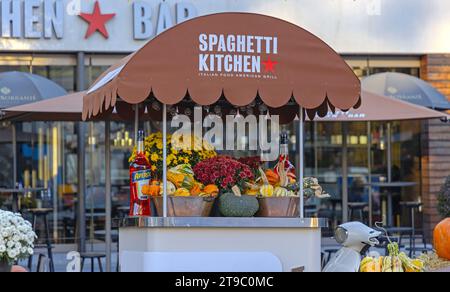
269 65
97 21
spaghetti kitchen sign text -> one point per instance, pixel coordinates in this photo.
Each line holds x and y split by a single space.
247 56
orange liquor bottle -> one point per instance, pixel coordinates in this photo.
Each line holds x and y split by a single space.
140 176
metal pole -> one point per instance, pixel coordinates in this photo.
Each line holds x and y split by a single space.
302 161
108 199
316 151
81 162
389 152
164 160
344 172
81 187
91 185
14 153
389 173
369 169
136 122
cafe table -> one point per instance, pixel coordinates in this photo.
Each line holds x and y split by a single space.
17 192
388 186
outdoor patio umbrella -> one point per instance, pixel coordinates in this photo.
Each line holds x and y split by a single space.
407 88
17 88
61 108
393 110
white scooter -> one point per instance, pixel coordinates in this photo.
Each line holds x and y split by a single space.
356 239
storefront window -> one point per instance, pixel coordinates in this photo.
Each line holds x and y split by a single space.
6 68
365 66
324 160
93 72
47 159
324 157
6 173
62 75
47 155
406 167
410 71
59 68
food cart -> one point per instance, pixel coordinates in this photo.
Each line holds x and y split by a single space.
228 64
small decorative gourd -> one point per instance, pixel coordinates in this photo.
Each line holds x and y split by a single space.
211 190
272 177
196 190
170 189
154 188
281 192
182 192
266 189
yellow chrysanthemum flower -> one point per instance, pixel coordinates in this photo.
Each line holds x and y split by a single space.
154 157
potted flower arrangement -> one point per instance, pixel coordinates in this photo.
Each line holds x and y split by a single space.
16 239
231 177
186 197
223 171
254 162
182 152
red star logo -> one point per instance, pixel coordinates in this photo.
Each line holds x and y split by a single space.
97 21
269 65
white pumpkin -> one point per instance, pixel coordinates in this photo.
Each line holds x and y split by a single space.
171 189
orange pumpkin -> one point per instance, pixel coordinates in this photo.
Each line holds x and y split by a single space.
196 190
154 188
442 239
211 190
146 190
272 177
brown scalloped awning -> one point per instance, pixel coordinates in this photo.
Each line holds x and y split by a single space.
236 55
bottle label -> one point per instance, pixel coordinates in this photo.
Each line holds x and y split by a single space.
140 179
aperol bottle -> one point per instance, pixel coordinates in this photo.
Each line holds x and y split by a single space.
140 176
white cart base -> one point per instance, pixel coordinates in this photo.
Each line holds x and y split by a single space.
220 244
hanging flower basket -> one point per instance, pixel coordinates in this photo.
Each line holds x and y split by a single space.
185 206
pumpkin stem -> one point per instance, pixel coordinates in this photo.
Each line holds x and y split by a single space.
236 191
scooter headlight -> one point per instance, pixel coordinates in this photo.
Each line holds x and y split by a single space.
341 235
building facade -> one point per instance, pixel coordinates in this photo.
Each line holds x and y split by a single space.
73 41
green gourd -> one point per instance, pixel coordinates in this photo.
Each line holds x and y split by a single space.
231 205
